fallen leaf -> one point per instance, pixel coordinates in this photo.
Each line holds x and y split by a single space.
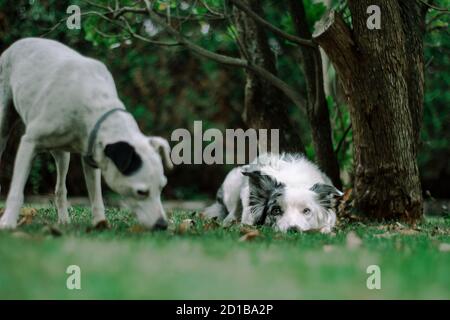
328 248
246 229
137 228
408 232
26 216
212 224
353 241
185 226
383 235
250 235
444 247
21 235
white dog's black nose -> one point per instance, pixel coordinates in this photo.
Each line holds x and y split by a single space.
161 224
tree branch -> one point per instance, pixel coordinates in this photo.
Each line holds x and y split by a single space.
297 40
335 38
181 40
277 82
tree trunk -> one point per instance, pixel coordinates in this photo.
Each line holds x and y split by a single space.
317 106
265 106
385 97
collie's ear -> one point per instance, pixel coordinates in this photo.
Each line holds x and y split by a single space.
124 157
261 185
326 195
162 146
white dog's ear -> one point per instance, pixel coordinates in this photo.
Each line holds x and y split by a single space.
124 157
162 146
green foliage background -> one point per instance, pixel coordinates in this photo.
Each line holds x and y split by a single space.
169 88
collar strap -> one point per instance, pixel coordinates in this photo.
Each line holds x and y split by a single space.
89 156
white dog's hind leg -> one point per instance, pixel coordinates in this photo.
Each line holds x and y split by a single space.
22 166
62 160
6 109
93 184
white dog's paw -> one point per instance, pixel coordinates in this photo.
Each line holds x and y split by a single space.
6 224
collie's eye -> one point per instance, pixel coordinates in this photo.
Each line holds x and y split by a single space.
306 211
276 211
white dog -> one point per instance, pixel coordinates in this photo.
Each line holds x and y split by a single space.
287 192
69 103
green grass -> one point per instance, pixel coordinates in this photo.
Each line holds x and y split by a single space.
208 261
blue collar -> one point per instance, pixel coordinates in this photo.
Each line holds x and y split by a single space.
89 156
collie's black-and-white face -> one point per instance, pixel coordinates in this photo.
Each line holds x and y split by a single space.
290 208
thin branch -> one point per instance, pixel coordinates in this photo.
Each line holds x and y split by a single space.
138 36
181 40
434 7
87 13
277 82
97 5
436 17
210 10
123 10
303 42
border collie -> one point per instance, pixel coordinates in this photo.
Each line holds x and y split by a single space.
286 192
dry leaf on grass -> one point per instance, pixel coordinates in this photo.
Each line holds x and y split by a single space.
211 224
408 232
26 216
250 235
21 235
444 247
328 248
185 226
385 235
353 241
137 228
246 229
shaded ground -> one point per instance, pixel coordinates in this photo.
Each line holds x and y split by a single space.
200 259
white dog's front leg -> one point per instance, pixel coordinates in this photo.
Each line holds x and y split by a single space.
93 184
22 166
62 160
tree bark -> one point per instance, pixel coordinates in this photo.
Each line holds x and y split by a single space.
317 106
413 22
385 97
265 106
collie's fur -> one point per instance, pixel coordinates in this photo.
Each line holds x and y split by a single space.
287 192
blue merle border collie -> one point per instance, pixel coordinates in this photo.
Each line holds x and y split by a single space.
286 192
